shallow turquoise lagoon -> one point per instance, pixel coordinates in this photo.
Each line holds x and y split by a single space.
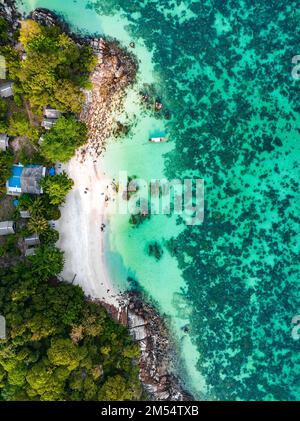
223 69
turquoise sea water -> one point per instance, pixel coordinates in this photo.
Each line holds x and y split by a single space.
223 69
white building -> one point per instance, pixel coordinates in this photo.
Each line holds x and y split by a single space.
6 90
3 142
7 228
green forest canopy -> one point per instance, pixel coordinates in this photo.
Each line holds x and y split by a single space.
59 346
56 68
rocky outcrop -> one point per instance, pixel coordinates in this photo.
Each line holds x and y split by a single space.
150 331
115 71
9 11
157 351
47 18
44 17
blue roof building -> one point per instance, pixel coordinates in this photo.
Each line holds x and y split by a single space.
25 179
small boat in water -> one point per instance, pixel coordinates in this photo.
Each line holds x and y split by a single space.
158 139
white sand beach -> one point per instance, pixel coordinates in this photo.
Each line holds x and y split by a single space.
85 211
80 232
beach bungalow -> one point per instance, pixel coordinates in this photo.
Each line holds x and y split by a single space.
32 240
7 228
6 90
48 123
3 142
50 117
51 113
25 214
31 243
25 179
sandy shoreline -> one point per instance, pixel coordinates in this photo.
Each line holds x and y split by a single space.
79 227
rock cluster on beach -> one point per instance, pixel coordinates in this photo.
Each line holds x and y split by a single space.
114 72
149 329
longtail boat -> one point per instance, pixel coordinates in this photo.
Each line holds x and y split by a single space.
158 139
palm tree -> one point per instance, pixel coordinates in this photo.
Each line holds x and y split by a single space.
37 225
36 207
47 262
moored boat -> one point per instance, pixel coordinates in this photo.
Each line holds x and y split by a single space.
158 139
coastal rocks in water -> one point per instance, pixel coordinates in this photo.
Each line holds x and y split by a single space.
155 250
147 327
152 102
47 18
158 105
139 218
157 352
44 17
